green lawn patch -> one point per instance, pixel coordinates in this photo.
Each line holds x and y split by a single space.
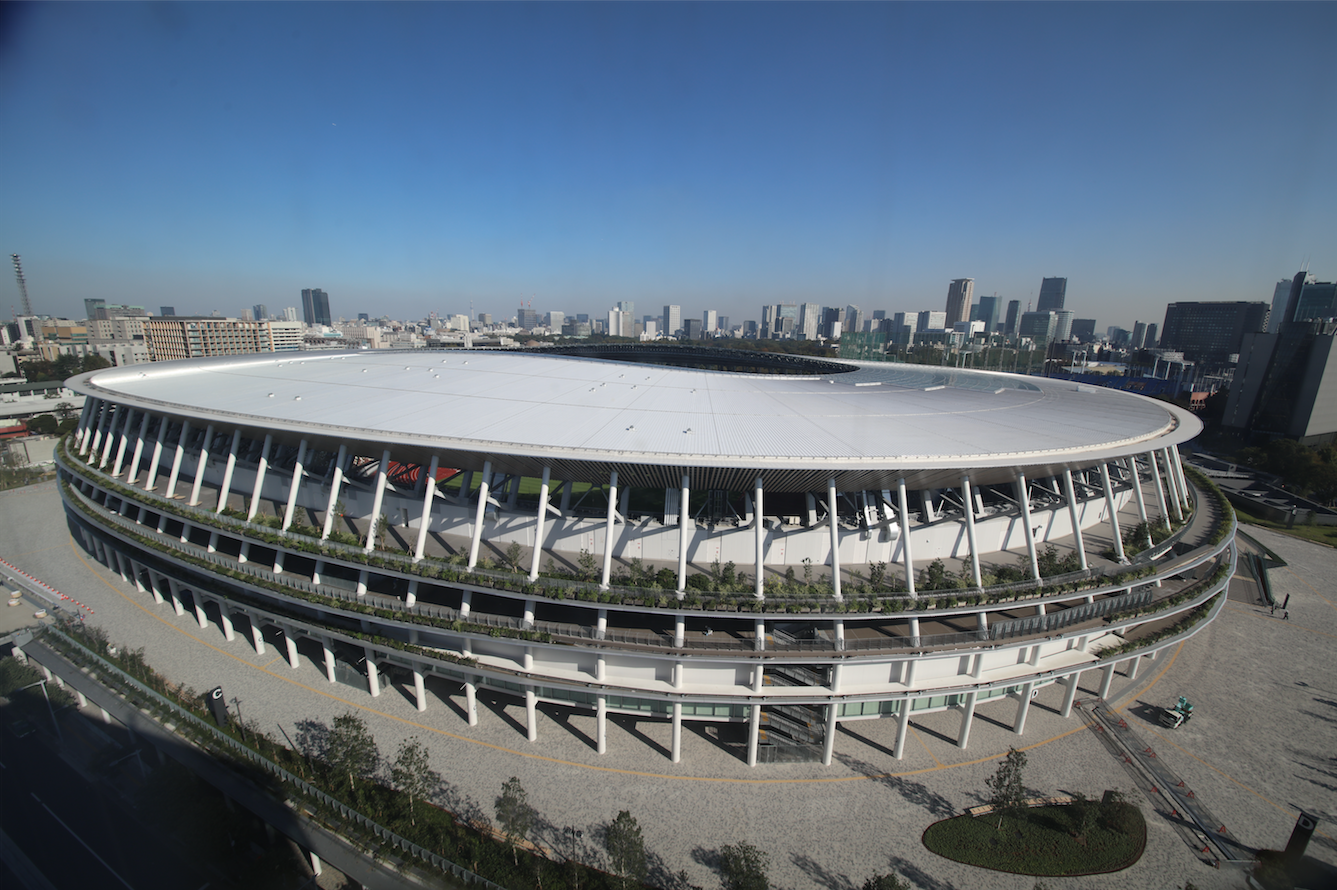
1042 841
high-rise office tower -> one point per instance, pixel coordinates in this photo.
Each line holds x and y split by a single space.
809 321
1318 300
710 321
1279 296
1293 297
315 306
1063 319
672 320
92 304
261 311
959 294
853 321
1013 314
1151 336
1211 332
1052 292
786 319
1084 329
987 312
1139 338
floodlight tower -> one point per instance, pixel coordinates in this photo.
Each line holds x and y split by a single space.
23 285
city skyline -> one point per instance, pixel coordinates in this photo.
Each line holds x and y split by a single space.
710 156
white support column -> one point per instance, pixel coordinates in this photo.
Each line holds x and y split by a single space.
335 483
1069 694
134 572
1071 491
226 620
903 507
477 538
170 491
329 659
1024 498
96 424
679 630
967 718
540 520
1107 680
201 463
362 583
425 521
753 735
902 729
117 418
1180 478
610 532
968 501
101 430
373 674
374 525
759 532
297 473
133 474
200 615
601 724
829 742
833 516
1131 670
226 488
151 479
315 863
292 649
260 478
1113 510
420 690
1172 487
81 430
1023 708
1136 479
676 745
531 714
411 595
466 602
257 637
471 702
122 440
1160 491
176 598
155 588
684 533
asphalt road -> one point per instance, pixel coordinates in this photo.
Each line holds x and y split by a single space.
78 833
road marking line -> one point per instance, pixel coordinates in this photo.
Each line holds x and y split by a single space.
923 743
81 840
556 760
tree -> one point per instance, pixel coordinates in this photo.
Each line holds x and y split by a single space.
351 748
743 867
412 775
64 410
1007 790
885 882
514 814
626 848
513 556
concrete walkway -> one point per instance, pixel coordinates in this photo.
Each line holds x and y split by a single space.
1260 741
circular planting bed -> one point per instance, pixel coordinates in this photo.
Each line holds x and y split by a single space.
1044 841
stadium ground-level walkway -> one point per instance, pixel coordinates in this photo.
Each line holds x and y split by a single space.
862 815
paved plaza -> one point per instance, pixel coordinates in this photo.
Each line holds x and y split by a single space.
1263 740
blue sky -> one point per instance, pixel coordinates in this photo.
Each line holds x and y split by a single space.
416 157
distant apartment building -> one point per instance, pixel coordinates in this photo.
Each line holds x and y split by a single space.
1211 332
171 310
931 320
315 306
181 337
1053 291
260 311
959 294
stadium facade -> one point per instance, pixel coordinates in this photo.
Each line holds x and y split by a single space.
768 545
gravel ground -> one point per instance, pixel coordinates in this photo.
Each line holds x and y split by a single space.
1261 741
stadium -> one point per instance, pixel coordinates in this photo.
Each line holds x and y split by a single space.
767 545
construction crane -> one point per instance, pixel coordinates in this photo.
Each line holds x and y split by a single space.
23 285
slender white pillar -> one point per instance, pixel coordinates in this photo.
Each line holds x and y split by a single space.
411 595
471 703
684 532
1113 510
1023 708
133 474
531 714
1131 670
335 483
176 598
292 649
257 637
373 674
297 473
170 491
201 464
118 418
81 431
122 440
610 531
1069 694
968 500
967 718
1172 487
903 507
829 742
759 532
373 526
834 518
200 615
226 487
1180 478
902 729
425 521
101 430
601 724
329 660
1071 491
753 735
260 478
477 538
151 480
1137 494
226 620
1160 492
1024 498
1107 680
540 520
419 690
676 746
155 588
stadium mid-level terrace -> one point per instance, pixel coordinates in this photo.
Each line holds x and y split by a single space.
771 547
